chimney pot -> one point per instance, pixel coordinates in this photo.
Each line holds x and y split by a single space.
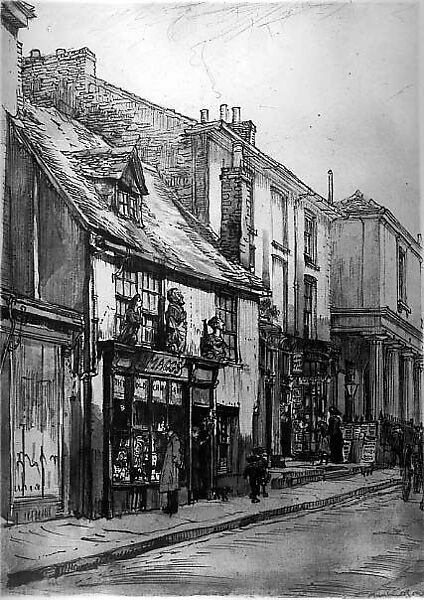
419 238
60 52
204 115
223 112
236 114
35 53
330 187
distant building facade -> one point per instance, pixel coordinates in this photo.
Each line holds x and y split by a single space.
376 312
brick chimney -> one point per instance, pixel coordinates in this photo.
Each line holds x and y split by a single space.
245 129
58 79
237 210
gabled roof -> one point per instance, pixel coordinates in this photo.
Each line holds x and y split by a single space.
358 202
65 148
358 205
109 163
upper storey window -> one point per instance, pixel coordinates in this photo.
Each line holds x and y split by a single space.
129 204
402 279
310 238
279 218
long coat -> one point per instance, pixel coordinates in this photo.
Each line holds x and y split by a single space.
169 475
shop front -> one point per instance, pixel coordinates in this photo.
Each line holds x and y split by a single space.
311 377
146 394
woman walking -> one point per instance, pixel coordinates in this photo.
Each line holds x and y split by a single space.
169 480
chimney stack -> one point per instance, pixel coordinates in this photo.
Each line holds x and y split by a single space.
204 115
330 187
237 156
236 114
223 112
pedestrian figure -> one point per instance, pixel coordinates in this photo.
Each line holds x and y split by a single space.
336 435
263 473
323 443
169 477
252 472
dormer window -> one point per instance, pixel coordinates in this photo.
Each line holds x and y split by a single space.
129 204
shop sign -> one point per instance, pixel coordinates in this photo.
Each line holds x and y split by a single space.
309 380
140 389
163 364
296 393
297 363
119 386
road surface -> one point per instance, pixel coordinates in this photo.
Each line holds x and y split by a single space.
371 547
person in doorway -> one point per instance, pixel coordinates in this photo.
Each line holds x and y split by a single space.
196 466
204 443
252 472
336 435
169 477
323 443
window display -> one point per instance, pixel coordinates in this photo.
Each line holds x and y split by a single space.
141 414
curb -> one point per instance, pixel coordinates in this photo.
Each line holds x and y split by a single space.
132 550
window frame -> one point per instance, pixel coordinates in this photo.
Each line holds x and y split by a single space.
283 198
310 249
222 312
277 259
136 285
402 274
310 325
128 204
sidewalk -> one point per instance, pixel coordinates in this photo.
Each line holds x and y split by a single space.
49 549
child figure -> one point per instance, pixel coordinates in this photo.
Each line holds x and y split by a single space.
252 472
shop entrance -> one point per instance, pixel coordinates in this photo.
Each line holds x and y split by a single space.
202 445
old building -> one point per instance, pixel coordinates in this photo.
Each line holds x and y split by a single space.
261 215
376 312
39 323
170 336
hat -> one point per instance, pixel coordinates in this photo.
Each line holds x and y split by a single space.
251 458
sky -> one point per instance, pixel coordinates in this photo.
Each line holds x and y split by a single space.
329 85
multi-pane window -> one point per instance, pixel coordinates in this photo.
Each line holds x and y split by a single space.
226 309
310 238
402 274
310 307
149 287
139 427
279 218
129 205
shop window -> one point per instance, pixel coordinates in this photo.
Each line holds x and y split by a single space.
139 427
226 426
310 308
149 288
310 239
226 309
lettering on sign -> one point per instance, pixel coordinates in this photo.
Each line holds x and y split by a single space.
166 365
119 386
297 364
